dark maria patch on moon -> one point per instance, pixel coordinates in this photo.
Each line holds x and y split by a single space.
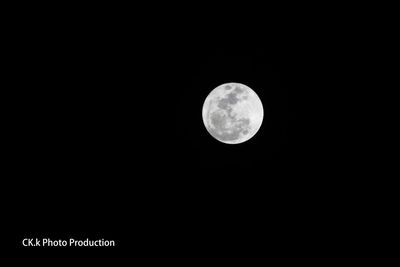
219 120
238 90
230 99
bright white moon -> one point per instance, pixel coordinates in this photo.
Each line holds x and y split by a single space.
232 113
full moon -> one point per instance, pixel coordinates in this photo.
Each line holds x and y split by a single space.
232 113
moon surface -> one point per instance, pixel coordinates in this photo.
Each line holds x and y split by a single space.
232 113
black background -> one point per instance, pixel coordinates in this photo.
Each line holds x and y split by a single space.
110 141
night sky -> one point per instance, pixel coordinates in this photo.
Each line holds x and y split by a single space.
111 141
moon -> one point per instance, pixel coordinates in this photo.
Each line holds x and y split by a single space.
232 113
